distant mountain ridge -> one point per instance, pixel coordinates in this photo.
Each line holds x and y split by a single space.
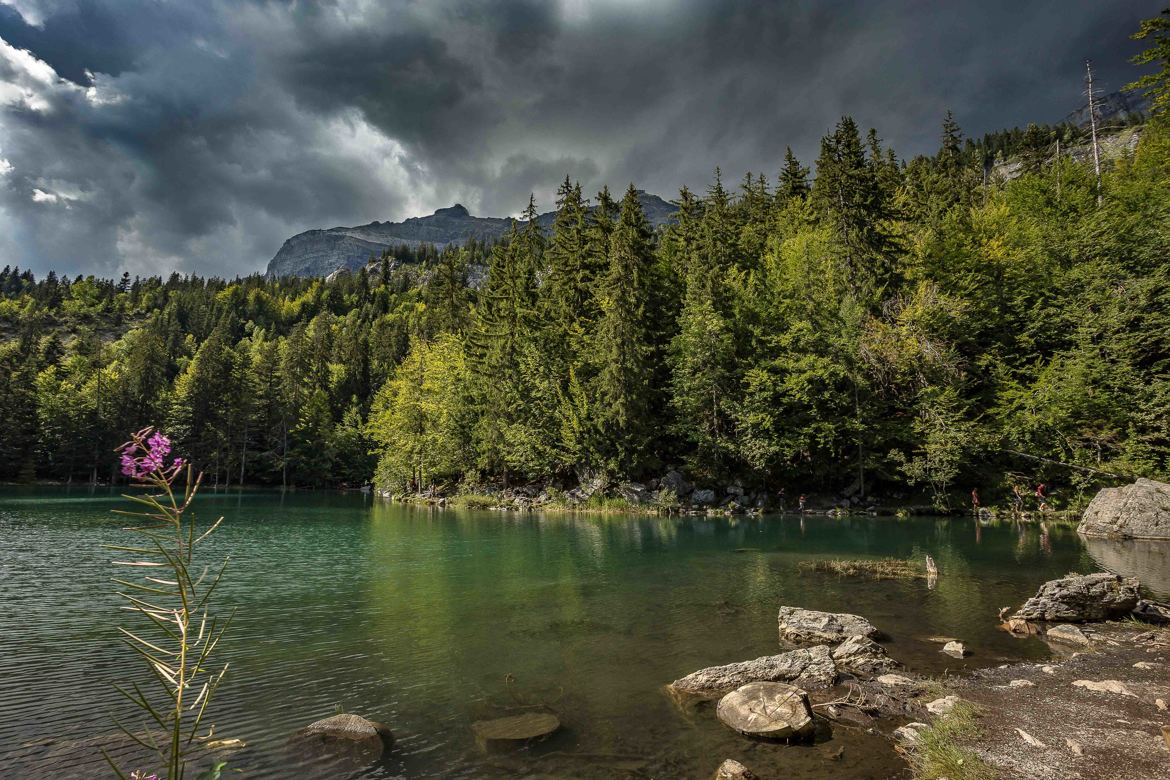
321 252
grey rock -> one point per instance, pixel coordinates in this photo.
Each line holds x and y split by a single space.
1068 634
1152 612
319 252
908 734
809 668
674 480
735 490
1137 511
808 626
863 657
954 649
1078 599
942 706
634 492
347 741
896 680
733 770
703 497
769 710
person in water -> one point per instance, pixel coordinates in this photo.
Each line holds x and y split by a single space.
1041 497
802 497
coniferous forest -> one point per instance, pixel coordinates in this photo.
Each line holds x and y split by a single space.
888 326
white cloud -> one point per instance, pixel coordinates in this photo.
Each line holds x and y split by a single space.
40 196
5 167
28 81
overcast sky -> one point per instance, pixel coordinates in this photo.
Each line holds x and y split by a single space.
155 135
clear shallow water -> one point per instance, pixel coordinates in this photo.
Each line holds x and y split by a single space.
415 617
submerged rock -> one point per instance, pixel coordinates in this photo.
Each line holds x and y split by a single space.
767 709
810 668
863 657
808 626
348 740
1078 599
733 770
514 730
1137 511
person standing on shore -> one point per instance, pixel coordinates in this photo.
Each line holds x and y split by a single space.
1041 498
975 500
802 498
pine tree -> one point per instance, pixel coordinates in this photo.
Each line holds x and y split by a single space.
793 178
621 346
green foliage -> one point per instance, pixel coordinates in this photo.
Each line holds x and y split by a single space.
886 325
1156 85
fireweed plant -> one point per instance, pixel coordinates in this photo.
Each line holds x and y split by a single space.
169 594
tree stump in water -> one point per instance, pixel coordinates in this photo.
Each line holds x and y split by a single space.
515 730
767 709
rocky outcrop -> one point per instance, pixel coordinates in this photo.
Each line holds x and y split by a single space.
808 626
345 741
320 252
767 710
808 668
1080 599
863 657
1137 511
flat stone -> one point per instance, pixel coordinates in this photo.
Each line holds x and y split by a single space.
1074 747
769 710
896 680
1021 684
808 626
1104 686
811 667
1147 665
1048 669
733 770
954 649
942 706
1068 634
514 729
1079 599
863 657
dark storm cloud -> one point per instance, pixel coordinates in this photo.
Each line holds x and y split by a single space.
198 135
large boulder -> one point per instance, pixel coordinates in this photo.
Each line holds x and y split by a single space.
346 741
674 480
1080 599
1137 511
703 497
809 668
769 710
863 657
634 492
807 626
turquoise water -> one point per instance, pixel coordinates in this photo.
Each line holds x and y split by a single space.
415 617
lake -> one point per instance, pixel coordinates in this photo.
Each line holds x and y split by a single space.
419 618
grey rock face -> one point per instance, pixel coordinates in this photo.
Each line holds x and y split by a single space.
809 668
1137 511
808 626
634 492
767 709
1079 599
863 657
319 252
